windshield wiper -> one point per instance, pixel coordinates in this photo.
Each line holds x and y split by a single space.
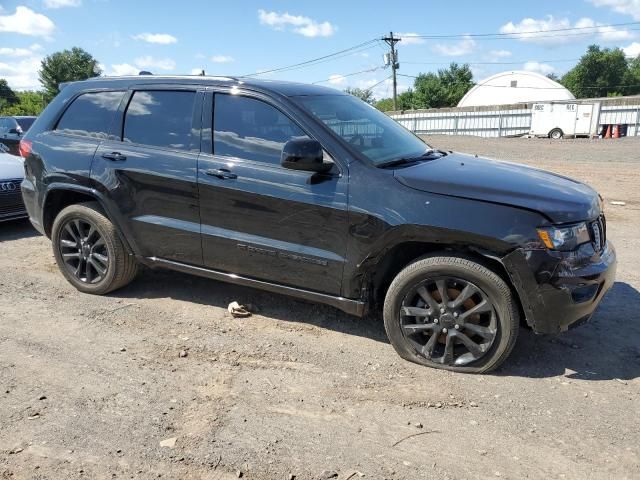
428 155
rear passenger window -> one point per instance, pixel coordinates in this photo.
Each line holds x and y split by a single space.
160 118
251 129
90 114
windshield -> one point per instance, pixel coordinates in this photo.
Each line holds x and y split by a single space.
368 130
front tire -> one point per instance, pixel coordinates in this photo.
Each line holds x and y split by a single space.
451 313
89 252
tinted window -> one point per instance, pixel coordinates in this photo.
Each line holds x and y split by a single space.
160 118
251 129
90 114
25 123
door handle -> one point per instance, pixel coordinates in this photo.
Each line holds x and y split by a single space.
114 156
221 173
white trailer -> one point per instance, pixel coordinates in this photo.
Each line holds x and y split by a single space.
562 119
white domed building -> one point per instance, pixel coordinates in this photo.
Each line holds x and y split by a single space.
515 87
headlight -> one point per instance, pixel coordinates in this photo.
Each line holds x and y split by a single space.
564 238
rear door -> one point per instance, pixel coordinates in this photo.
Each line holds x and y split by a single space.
259 219
583 119
148 171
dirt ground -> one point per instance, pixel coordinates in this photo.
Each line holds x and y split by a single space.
90 386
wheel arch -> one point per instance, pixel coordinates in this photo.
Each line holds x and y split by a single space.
58 197
402 254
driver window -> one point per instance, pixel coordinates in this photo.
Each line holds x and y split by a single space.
251 129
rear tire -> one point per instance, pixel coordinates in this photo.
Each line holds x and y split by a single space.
426 325
556 134
89 251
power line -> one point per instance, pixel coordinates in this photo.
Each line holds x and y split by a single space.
376 84
496 63
369 43
347 75
594 28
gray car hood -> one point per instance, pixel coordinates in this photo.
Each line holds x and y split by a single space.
11 167
559 198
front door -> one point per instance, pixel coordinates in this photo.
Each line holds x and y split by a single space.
259 219
148 171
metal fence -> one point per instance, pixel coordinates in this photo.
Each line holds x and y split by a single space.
621 115
510 120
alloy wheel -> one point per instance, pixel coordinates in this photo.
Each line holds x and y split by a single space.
448 320
84 251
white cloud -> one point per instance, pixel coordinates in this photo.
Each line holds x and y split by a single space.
605 33
123 69
62 3
410 39
303 25
463 47
526 28
537 67
632 50
159 38
142 63
500 53
19 52
27 22
196 71
23 74
337 79
159 63
14 52
626 7
222 59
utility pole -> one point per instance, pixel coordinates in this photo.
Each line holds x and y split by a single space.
393 60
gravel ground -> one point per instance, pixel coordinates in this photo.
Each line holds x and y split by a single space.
91 386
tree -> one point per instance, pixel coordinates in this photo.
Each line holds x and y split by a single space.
632 77
29 103
7 96
405 102
66 66
599 73
444 89
363 94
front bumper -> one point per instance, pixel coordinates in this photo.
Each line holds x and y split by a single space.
561 290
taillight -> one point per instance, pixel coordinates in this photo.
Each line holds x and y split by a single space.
25 148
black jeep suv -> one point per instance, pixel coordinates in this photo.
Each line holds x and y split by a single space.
310 192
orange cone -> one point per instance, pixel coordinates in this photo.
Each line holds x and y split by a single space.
607 131
616 131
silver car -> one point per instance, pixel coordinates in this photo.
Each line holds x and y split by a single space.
11 175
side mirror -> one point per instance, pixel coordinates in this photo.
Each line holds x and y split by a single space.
14 131
304 154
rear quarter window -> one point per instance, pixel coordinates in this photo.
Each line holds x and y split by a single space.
90 114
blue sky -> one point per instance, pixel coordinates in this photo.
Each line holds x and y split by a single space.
245 37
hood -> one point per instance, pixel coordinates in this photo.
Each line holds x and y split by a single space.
11 167
559 198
